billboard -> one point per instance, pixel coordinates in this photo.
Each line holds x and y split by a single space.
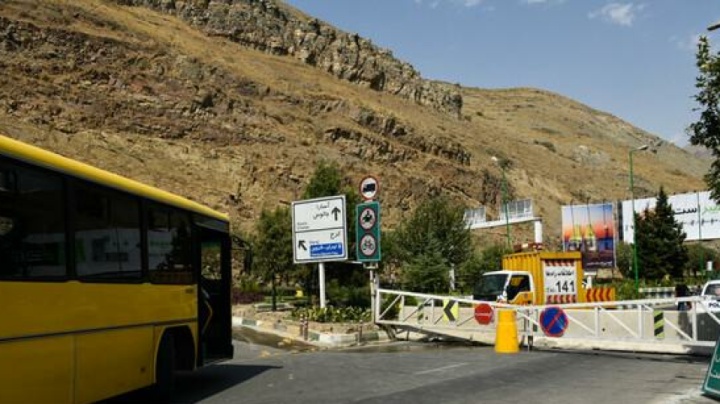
696 212
590 229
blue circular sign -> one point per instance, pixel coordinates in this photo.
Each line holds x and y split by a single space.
553 321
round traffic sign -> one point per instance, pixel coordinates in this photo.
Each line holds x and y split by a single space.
368 245
553 321
484 314
369 187
367 218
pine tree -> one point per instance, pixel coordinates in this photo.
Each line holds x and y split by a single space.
660 240
430 242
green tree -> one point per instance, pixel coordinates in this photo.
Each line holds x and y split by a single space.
489 259
326 181
698 256
272 247
659 239
434 235
706 131
623 255
428 272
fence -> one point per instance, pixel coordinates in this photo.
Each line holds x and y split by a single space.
653 325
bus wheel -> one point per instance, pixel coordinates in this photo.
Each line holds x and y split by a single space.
165 368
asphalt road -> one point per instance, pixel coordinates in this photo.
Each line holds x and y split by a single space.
412 373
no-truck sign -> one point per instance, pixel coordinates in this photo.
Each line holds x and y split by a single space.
369 187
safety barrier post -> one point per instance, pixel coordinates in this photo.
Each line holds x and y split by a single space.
506 334
659 321
304 327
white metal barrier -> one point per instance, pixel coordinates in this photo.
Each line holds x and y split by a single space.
651 325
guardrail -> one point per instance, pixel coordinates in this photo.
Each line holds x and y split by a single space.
653 325
667 291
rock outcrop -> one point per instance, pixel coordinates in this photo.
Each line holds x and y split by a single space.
278 29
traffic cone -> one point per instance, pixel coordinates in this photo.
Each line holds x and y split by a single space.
506 334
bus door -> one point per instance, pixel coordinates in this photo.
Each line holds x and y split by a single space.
214 310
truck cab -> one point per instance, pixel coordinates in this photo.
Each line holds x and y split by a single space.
711 297
512 287
711 290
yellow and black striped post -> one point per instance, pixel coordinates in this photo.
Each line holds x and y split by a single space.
659 317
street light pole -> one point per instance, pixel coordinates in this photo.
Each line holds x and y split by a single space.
632 198
505 203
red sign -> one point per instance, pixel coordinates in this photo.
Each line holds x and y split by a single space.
369 187
484 314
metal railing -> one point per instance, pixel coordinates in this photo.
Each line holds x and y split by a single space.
642 325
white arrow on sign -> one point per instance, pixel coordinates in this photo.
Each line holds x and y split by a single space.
319 230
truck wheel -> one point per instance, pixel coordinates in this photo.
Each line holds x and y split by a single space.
165 368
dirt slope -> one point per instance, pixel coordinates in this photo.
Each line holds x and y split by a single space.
166 97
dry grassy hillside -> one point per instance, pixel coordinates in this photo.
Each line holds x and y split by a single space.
147 95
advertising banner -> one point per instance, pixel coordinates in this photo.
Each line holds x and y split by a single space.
696 212
590 229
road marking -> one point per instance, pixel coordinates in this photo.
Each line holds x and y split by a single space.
457 365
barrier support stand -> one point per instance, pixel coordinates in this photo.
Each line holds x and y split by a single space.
506 335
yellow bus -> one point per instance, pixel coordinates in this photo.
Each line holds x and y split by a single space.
107 285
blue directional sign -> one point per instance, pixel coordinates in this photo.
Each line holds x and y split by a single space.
554 321
319 230
326 250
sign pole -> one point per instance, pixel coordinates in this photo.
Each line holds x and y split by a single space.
372 291
321 281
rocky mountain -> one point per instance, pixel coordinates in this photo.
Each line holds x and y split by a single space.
233 102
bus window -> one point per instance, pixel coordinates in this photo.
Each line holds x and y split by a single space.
32 223
107 235
114 331
169 246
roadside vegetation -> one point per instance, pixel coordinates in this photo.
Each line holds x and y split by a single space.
431 242
420 252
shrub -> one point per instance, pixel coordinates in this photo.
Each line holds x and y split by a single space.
348 295
332 314
246 291
242 297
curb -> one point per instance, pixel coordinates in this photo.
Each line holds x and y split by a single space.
319 339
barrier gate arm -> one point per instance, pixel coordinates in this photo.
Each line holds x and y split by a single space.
390 306
578 322
623 325
678 330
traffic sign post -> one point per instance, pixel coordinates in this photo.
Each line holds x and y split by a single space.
319 230
367 232
319 234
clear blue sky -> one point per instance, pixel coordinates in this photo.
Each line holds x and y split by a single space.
633 59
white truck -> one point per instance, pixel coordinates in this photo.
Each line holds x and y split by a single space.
711 296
